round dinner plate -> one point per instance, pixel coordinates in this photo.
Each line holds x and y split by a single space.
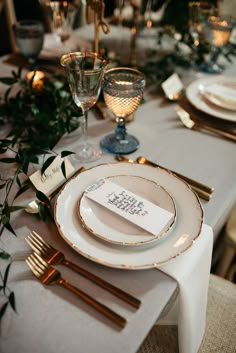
194 93
180 238
108 226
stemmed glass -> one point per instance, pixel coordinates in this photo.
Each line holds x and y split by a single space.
217 30
84 73
29 36
123 90
62 16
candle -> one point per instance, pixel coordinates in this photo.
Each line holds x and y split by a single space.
38 77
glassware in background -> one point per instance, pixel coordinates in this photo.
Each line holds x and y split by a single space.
123 90
29 35
217 30
62 17
84 72
199 11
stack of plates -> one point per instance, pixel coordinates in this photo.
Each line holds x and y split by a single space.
106 238
215 96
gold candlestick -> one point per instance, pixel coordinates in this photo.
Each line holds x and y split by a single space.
95 13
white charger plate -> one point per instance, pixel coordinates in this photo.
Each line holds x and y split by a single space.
110 227
186 229
196 98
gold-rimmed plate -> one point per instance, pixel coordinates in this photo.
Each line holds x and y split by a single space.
108 226
180 238
195 93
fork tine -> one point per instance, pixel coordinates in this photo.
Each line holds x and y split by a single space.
33 245
39 261
36 244
40 239
31 265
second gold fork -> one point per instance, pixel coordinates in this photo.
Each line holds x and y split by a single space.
49 275
54 257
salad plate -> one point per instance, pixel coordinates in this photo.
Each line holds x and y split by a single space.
108 226
186 229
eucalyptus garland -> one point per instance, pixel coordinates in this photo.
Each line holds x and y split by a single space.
37 119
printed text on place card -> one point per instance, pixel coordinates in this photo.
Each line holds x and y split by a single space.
132 207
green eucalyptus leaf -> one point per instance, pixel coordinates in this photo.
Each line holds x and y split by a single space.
47 163
8 160
42 211
4 255
6 275
66 153
3 309
21 191
43 198
8 80
9 227
63 169
12 301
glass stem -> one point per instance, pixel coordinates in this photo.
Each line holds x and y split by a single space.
214 55
84 129
120 130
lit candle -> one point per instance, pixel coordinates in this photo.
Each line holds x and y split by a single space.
220 32
38 77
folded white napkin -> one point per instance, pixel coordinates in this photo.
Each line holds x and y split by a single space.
191 270
221 94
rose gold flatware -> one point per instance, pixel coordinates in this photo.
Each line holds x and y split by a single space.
192 124
54 257
49 276
203 191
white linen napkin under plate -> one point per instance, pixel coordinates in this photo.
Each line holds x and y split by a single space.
191 270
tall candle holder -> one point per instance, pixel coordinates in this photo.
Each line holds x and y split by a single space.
95 13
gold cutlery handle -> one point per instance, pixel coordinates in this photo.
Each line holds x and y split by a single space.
192 182
112 315
202 194
128 298
225 134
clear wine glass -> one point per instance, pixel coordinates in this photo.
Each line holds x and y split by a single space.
29 35
123 90
62 16
217 31
84 73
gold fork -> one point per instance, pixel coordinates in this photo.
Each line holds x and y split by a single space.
54 257
48 275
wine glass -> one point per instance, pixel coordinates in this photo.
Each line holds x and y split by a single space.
84 73
217 30
123 89
29 36
62 16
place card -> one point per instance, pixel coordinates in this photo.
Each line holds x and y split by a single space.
172 87
130 206
53 177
